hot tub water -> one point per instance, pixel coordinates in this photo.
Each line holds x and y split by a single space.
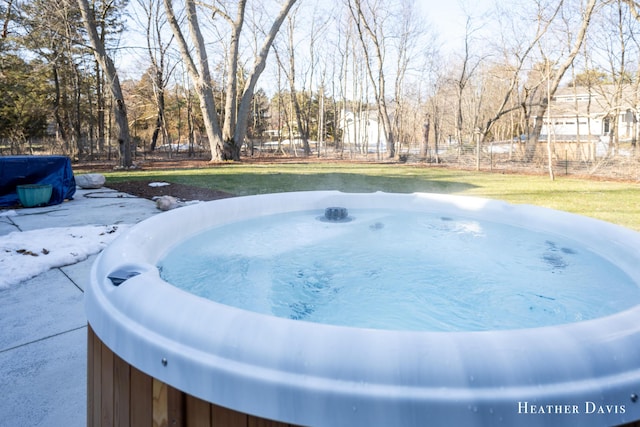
400 270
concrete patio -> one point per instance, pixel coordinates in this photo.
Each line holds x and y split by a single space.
43 327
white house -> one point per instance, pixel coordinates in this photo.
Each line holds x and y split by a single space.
362 132
583 113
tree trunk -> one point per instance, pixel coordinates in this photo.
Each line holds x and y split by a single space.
424 151
379 83
200 75
77 122
57 104
102 104
303 128
7 18
231 101
120 111
160 118
223 146
247 95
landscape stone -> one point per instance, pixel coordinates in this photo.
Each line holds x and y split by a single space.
90 180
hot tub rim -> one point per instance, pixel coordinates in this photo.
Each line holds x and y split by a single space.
102 315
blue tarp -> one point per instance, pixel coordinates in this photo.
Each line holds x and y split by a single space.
19 170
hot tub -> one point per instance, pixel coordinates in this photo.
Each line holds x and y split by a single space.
158 353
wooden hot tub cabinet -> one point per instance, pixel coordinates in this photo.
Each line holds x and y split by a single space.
120 395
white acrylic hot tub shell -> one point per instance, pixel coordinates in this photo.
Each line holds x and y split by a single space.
321 375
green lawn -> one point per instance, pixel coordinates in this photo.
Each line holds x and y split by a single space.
617 202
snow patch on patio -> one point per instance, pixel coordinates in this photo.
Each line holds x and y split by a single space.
26 254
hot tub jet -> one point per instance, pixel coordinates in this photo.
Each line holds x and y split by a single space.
336 214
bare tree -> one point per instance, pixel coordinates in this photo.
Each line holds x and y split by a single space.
634 8
290 73
226 141
323 60
636 85
410 40
111 74
160 71
509 74
555 77
369 24
198 70
468 67
617 54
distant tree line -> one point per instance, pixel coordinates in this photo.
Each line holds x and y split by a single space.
100 79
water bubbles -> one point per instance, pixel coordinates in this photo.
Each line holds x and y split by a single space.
553 255
554 261
400 270
311 288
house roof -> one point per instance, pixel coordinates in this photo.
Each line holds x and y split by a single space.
596 101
